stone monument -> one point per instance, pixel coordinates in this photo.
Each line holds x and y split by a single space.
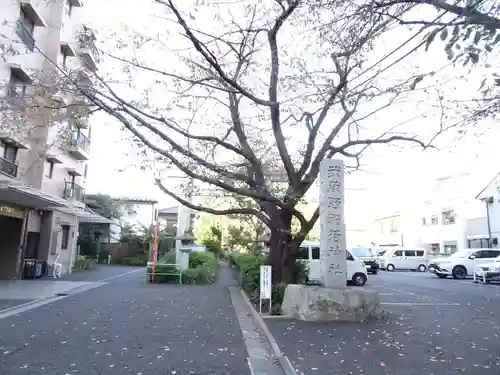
332 301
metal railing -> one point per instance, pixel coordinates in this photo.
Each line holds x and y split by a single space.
87 41
73 191
81 141
7 167
24 34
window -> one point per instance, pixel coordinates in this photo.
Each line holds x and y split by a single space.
491 253
71 178
50 170
85 171
62 59
315 252
448 217
303 253
434 220
9 152
424 222
348 255
435 247
410 253
394 225
17 87
65 237
398 253
25 29
420 253
450 248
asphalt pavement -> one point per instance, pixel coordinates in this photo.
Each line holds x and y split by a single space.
128 327
434 326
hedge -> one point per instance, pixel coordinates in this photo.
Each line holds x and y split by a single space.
202 269
248 265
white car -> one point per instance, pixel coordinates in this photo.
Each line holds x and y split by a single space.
488 272
463 263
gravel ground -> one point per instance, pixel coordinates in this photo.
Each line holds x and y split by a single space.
128 327
421 335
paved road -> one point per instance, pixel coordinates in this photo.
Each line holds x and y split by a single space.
435 326
128 327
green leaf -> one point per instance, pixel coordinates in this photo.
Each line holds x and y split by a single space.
497 39
430 39
468 33
444 34
456 30
474 57
477 37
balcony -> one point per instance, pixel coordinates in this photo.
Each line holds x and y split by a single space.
25 36
88 50
80 146
8 168
73 191
33 14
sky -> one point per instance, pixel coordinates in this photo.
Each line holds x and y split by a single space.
389 174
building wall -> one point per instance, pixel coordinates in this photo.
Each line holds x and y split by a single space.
45 134
493 191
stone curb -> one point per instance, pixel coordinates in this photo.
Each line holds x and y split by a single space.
283 360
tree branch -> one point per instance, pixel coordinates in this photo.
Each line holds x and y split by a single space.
230 211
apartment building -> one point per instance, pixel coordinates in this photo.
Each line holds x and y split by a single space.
489 196
445 219
44 132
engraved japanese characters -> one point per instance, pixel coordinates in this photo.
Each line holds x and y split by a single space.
332 237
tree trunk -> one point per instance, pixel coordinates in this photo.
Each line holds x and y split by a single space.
282 254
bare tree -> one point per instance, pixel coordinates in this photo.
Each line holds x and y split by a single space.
470 33
251 109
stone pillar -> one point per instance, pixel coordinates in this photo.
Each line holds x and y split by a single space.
333 236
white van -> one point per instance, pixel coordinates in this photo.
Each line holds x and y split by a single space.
399 258
309 253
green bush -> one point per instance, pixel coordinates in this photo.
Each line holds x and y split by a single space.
301 273
168 257
84 264
202 269
202 259
133 261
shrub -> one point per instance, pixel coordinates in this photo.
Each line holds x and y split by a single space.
133 261
168 257
84 264
202 269
202 259
301 273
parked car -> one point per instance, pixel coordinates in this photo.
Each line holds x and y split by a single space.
309 254
399 258
463 263
488 272
367 256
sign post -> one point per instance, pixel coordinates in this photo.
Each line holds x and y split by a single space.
265 286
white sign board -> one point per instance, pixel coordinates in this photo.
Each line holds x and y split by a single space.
265 282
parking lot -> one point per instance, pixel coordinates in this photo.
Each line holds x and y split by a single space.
433 326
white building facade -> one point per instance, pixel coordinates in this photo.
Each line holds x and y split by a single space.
44 133
490 199
449 219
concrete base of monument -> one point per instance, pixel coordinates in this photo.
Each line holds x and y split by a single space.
321 304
